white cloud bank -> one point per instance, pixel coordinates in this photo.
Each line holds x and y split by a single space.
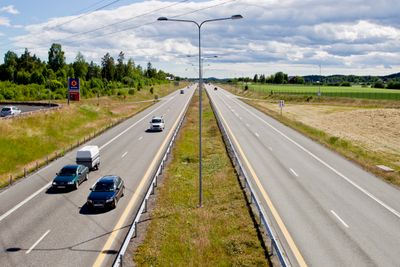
348 37
9 9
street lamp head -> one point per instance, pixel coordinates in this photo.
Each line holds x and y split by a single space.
237 17
162 19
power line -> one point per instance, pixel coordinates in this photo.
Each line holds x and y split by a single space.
76 18
133 27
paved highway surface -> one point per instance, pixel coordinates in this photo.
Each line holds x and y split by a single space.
327 211
39 227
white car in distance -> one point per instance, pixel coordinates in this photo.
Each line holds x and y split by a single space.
157 123
9 111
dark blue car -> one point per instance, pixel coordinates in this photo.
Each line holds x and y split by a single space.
106 192
70 176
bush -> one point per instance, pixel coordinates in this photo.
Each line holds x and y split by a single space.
393 85
131 91
379 84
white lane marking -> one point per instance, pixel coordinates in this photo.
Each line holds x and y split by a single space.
240 118
2 217
366 192
123 155
140 138
133 125
270 148
294 173
258 136
248 125
340 219
37 242
5 215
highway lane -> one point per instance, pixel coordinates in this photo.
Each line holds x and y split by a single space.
56 228
333 212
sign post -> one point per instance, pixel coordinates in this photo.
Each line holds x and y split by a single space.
281 105
73 89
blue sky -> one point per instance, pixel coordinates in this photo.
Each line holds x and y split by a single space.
344 37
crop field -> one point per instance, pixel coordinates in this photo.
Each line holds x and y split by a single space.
329 91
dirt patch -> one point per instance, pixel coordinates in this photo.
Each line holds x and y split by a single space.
376 129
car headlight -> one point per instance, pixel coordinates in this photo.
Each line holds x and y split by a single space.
71 182
109 200
54 183
90 201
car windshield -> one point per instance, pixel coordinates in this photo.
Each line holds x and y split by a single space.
103 187
68 171
156 121
6 109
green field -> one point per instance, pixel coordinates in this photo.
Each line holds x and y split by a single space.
328 91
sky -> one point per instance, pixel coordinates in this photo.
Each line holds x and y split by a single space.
308 37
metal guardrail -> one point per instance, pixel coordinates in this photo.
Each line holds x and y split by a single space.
150 190
253 199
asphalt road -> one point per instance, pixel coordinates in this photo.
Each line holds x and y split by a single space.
39 227
326 210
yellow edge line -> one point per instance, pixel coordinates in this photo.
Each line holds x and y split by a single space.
100 258
272 208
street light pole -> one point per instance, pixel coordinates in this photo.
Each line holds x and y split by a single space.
200 92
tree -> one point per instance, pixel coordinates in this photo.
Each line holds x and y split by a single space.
108 64
120 70
93 71
80 66
56 57
255 79
280 78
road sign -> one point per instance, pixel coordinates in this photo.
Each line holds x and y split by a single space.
281 104
73 89
73 84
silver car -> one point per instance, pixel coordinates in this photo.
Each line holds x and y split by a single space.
9 111
157 124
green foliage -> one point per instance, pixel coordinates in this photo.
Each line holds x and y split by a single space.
31 79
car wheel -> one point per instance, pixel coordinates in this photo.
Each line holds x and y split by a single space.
114 204
123 191
76 185
86 176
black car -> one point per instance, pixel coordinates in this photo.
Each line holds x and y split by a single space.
106 192
71 176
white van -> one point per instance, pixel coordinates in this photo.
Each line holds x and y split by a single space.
89 156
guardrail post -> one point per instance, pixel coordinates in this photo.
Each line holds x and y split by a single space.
251 197
152 190
155 181
260 214
10 179
24 172
145 206
37 165
135 233
272 246
120 260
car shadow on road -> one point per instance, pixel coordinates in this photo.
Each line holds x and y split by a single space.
86 210
151 131
56 191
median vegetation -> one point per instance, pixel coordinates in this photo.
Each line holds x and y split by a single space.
222 232
28 142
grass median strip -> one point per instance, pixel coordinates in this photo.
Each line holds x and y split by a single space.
222 232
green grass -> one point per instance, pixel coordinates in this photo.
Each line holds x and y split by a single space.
221 233
27 140
327 91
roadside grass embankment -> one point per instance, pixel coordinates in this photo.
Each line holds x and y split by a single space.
363 150
326 91
222 232
31 141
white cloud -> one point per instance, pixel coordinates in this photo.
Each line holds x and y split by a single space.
9 9
349 36
4 21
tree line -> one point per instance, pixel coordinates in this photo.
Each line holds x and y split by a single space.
27 77
389 81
